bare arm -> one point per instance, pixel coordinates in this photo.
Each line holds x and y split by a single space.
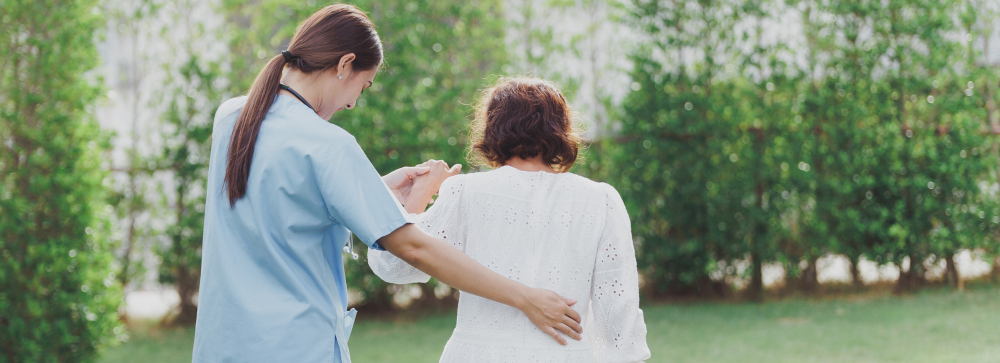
415 196
445 220
400 181
426 185
548 310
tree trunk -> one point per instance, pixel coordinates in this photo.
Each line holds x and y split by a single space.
809 280
755 291
856 282
912 277
903 283
187 277
951 273
996 269
187 287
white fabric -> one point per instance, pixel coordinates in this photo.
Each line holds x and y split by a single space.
560 232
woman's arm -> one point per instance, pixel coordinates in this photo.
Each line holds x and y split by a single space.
413 186
427 185
549 311
444 220
400 181
620 330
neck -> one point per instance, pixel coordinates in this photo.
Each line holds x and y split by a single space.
306 86
530 164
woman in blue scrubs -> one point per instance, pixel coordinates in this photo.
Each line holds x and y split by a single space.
286 189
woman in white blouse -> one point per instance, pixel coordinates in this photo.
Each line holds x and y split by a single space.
537 224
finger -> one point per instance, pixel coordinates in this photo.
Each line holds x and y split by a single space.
573 325
436 165
455 169
552 332
566 329
572 314
417 170
569 301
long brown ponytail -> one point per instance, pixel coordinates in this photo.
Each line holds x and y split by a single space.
318 45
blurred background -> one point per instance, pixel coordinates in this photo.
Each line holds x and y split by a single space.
807 180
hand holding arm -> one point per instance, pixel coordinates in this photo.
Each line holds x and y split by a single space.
428 184
400 181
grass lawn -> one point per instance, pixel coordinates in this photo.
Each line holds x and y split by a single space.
936 325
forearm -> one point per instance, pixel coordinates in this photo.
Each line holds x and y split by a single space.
419 198
452 267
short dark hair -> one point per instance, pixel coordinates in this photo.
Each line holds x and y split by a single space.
524 117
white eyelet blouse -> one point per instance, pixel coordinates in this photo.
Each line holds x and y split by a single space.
561 232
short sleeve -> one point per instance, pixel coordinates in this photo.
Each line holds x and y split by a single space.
356 196
621 332
443 220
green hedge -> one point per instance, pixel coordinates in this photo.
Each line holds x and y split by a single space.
731 148
58 299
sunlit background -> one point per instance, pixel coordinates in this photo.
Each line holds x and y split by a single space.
807 180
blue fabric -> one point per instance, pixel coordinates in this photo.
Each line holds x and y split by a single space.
272 276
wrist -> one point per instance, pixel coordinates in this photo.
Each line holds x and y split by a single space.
415 208
416 202
519 299
421 194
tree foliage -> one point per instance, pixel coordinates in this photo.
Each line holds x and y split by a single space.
57 295
197 88
861 137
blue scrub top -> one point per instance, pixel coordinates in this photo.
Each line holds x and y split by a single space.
272 274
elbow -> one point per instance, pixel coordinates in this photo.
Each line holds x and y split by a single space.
414 254
412 251
411 245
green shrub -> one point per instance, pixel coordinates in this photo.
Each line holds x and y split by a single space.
58 297
869 144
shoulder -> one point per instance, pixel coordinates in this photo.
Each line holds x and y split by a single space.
599 191
455 184
486 180
230 107
326 136
615 204
328 145
607 189
305 132
584 185
307 124
611 194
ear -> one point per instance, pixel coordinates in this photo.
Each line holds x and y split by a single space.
345 66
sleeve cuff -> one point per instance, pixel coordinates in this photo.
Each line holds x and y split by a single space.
372 240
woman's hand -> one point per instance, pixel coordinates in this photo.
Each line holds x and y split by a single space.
400 181
551 312
428 184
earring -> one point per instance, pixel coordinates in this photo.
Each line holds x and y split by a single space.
340 77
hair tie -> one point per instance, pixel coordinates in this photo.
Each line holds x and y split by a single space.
287 55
